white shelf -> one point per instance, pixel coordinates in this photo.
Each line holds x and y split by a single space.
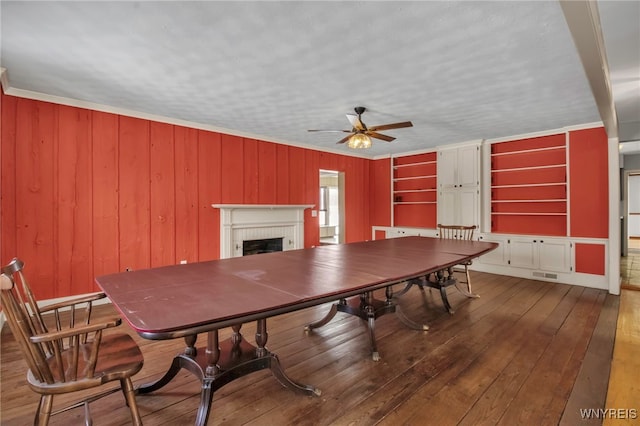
515 169
399 166
526 214
414 177
414 190
527 151
529 185
551 200
413 202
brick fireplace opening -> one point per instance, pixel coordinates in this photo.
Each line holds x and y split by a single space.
265 245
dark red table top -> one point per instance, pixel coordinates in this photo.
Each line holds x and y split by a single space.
179 300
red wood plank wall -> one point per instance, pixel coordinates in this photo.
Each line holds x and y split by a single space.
85 193
589 180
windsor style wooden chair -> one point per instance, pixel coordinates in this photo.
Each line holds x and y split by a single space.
459 232
71 357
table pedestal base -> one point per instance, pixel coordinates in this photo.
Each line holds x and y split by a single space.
216 366
367 308
440 282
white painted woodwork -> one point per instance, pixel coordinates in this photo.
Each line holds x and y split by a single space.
245 222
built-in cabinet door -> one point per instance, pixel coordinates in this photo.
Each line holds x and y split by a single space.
545 254
468 160
448 207
447 167
459 186
467 208
554 255
523 253
499 256
458 206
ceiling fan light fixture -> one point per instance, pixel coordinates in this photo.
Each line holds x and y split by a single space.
359 141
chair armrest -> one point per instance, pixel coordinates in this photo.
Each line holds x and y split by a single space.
84 329
76 301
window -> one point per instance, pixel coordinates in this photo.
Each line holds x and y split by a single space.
323 215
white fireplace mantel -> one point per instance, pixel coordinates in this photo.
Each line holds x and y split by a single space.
242 222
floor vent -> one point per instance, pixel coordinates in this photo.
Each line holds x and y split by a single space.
545 275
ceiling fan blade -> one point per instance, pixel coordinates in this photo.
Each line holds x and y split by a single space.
380 136
332 131
356 122
343 140
392 126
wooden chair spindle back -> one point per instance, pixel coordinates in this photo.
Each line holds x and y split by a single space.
456 232
26 322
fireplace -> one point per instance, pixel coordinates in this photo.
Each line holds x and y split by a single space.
240 223
265 245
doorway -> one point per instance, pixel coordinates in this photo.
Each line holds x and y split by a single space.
631 213
331 207
630 262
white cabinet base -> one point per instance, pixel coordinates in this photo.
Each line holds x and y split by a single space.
539 258
574 278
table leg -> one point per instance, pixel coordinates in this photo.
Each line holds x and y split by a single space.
179 362
218 365
411 283
371 325
324 321
441 284
400 314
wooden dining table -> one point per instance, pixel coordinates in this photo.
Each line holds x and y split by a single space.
181 301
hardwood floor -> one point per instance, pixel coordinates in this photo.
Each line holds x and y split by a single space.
624 387
630 266
516 355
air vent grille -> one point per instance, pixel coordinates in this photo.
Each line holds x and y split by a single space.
545 275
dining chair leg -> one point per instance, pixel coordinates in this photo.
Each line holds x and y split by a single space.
130 396
87 415
469 293
44 410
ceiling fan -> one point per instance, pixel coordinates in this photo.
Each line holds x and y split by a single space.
360 135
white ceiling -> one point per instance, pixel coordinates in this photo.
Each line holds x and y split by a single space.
459 71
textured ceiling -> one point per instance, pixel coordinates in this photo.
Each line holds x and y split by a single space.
459 71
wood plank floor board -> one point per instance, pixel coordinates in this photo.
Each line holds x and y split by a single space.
533 398
472 382
378 405
594 372
624 386
571 369
497 397
469 368
451 358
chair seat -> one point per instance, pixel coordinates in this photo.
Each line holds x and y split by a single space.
120 357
